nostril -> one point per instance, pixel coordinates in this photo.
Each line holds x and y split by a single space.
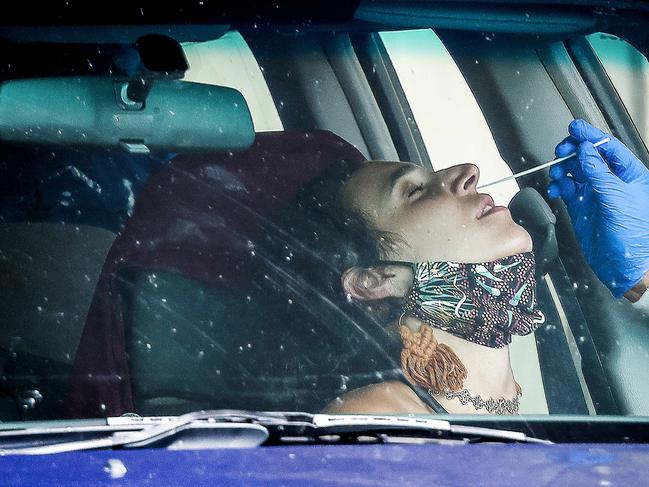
469 182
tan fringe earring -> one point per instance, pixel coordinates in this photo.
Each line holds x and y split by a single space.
430 364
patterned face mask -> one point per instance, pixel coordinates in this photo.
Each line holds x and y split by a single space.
483 303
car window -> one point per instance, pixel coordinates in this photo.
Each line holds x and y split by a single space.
628 70
181 278
228 61
446 112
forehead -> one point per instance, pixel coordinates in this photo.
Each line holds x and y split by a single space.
367 185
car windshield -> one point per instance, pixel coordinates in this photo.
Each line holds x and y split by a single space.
237 217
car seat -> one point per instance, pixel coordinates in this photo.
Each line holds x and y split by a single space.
48 273
189 313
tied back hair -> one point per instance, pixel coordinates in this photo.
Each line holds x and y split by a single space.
329 238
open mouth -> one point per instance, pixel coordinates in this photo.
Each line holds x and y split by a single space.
486 206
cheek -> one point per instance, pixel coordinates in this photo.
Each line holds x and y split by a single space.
436 220
432 231
505 237
446 232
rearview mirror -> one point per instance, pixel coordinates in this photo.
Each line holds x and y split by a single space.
177 115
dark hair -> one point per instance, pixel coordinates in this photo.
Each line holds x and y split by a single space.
317 220
327 238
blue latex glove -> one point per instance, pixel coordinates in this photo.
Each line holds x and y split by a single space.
606 190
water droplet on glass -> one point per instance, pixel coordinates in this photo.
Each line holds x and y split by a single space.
115 468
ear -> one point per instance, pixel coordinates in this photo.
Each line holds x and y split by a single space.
379 282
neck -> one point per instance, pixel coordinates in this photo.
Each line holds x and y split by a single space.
489 372
488 369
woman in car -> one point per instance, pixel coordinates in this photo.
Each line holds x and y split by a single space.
453 275
449 273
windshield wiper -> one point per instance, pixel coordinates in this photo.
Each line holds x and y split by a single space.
240 429
395 426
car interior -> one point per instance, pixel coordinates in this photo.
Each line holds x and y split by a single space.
133 268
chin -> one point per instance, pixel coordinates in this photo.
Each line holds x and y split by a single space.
521 241
511 241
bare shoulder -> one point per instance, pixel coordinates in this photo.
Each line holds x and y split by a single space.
388 397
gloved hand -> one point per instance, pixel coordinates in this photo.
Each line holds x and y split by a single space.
606 190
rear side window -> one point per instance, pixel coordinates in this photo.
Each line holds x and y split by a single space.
228 61
451 123
628 70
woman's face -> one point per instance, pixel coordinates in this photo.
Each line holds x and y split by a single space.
439 216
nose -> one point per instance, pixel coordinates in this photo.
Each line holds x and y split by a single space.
462 179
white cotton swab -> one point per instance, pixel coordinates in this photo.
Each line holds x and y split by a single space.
540 166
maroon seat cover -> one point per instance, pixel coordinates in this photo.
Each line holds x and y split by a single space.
192 217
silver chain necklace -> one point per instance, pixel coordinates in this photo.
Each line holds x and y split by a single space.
493 406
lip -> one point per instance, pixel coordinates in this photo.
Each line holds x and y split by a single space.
495 209
487 201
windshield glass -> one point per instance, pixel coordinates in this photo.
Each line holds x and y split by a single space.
293 220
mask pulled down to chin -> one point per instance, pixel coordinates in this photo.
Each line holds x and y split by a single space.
484 303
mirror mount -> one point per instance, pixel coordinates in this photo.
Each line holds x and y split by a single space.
159 57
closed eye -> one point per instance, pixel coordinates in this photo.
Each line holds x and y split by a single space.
415 189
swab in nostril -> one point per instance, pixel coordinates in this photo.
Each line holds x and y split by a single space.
540 166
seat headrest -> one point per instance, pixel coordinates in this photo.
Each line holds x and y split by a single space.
201 204
192 218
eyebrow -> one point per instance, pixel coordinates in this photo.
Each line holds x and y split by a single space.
398 174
